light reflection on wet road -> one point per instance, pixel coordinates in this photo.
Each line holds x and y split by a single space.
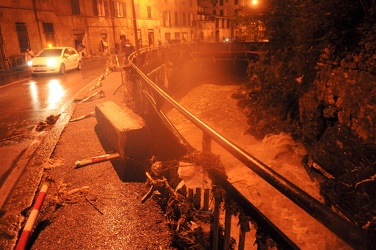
25 104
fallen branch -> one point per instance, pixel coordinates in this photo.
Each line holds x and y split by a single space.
99 84
100 93
96 159
93 205
83 117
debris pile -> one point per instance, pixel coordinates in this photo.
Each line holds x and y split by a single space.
189 224
50 120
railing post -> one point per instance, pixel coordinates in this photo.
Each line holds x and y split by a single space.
206 143
244 228
214 225
190 194
206 199
197 199
228 215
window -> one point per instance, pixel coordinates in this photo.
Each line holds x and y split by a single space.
168 37
151 36
75 5
166 19
49 33
23 38
95 8
119 9
139 36
184 19
176 19
102 7
101 11
149 11
72 52
193 23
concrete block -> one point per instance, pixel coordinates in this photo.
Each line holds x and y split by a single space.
124 130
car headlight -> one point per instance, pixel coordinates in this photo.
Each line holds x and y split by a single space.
51 62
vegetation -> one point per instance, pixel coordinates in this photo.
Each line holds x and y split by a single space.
317 82
298 31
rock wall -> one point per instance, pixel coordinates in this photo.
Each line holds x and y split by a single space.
345 90
339 115
335 116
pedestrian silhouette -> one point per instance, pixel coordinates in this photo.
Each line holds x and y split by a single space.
128 49
29 54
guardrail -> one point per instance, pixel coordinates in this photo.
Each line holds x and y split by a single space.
344 229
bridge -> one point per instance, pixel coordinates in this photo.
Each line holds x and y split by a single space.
240 51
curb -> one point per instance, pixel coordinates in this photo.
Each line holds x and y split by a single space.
29 181
30 176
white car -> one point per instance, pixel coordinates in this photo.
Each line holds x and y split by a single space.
55 60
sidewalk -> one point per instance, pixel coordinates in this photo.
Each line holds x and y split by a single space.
96 206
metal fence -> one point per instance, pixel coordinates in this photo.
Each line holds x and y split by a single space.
147 62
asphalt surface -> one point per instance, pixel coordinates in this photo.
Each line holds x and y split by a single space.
97 206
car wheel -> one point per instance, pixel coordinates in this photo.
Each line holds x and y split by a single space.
79 65
62 69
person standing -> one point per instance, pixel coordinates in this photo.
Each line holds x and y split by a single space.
81 50
128 49
29 54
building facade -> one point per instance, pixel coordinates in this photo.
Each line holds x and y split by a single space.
99 25
218 21
102 25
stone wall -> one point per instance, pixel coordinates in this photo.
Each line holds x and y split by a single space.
345 88
339 116
334 115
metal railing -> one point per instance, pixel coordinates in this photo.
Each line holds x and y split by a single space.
344 229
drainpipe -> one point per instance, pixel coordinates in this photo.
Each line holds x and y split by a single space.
3 54
134 26
36 19
113 27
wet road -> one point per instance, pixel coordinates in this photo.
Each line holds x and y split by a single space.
25 104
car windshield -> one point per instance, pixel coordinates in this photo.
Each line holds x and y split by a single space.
50 53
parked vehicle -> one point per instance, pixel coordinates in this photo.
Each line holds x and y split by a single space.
55 60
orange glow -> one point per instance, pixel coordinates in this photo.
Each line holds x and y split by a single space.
56 92
34 95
